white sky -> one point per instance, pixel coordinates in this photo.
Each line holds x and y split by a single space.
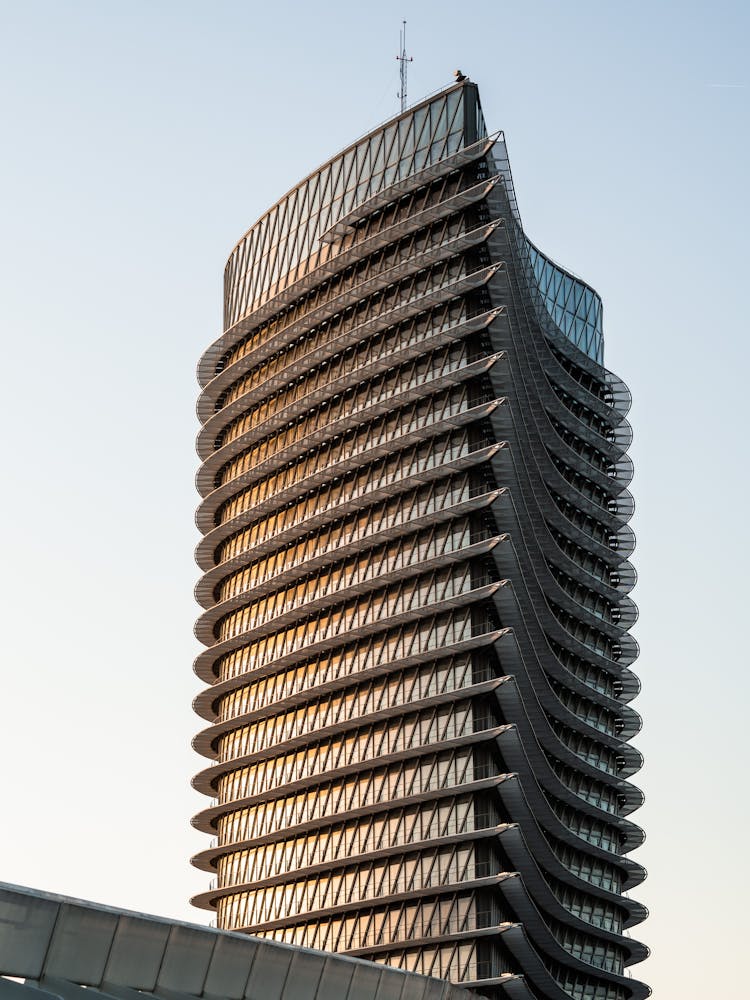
140 140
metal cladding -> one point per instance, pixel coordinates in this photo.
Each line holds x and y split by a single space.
70 949
415 562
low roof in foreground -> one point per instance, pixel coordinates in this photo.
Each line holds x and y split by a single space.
63 944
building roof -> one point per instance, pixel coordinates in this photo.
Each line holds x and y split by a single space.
63 944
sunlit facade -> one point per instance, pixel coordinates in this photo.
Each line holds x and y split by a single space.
415 577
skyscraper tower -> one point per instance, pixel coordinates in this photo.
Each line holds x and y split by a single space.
415 577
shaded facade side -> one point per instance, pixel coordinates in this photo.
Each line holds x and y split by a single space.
416 581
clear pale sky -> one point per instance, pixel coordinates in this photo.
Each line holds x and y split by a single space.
140 140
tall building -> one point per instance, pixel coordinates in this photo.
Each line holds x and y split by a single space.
415 577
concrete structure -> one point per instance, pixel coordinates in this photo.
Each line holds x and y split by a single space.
60 945
415 557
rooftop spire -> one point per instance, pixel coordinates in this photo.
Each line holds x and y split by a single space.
404 60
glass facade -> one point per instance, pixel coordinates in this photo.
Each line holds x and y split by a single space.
415 582
285 243
574 308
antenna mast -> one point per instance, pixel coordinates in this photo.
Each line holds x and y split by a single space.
404 60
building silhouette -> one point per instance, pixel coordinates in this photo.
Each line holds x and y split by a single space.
415 577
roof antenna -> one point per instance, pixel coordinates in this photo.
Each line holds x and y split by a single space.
403 59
